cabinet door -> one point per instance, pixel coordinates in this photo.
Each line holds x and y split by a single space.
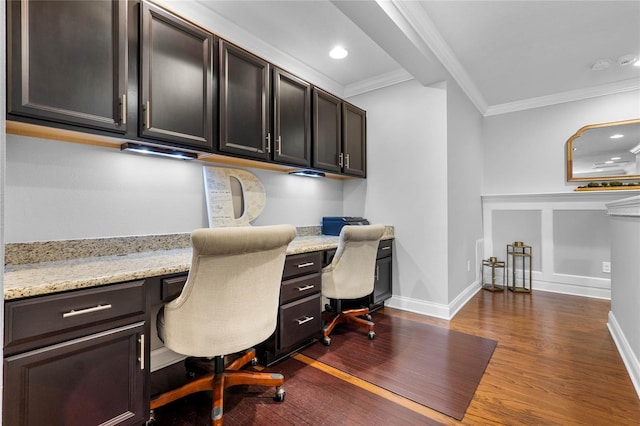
244 106
176 80
67 62
291 119
327 131
354 140
382 284
89 381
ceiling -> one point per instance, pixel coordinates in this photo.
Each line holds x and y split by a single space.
506 55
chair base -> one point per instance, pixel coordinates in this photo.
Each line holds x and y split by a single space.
221 379
350 316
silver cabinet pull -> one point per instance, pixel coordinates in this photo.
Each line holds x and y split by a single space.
306 287
141 359
386 248
340 159
147 115
269 142
279 145
303 320
73 312
304 265
347 160
377 272
123 110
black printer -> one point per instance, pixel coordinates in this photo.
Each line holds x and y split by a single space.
332 225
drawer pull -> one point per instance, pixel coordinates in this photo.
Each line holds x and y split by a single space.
306 287
304 265
305 319
73 312
141 359
386 248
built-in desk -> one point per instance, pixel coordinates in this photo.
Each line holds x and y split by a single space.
88 322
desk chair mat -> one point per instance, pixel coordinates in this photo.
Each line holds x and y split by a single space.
313 398
433 366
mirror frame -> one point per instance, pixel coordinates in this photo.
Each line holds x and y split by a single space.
583 129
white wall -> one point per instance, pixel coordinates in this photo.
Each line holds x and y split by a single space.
406 187
58 190
524 152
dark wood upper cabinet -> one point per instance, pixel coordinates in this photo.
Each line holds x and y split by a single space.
327 131
291 119
68 62
354 140
244 103
176 79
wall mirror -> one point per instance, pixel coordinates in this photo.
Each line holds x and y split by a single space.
605 151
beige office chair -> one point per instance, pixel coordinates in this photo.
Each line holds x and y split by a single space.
351 276
228 304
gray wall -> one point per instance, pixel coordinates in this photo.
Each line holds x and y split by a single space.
407 184
59 190
524 152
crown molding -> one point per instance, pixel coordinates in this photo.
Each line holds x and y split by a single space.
563 97
419 20
377 82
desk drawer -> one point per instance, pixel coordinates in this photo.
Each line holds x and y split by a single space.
300 287
39 318
385 248
300 320
301 264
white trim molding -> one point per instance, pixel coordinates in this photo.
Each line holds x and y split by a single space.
432 309
625 207
624 348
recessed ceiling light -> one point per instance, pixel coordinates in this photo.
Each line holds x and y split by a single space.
616 136
627 60
608 162
338 52
615 158
637 63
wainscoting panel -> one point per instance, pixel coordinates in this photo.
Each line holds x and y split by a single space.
568 232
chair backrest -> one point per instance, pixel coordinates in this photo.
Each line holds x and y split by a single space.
231 297
351 272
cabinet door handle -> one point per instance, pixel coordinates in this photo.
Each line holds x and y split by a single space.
303 320
377 272
347 160
306 287
269 142
141 359
340 159
73 312
147 115
304 265
279 145
386 248
123 110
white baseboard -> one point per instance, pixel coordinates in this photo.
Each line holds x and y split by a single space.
628 357
437 310
573 290
163 357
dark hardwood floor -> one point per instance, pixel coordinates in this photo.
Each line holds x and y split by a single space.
555 364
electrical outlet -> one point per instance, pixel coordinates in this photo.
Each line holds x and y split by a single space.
606 267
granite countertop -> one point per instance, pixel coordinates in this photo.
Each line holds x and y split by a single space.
52 269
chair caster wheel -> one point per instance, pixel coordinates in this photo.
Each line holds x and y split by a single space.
367 317
254 361
372 335
280 393
326 340
152 419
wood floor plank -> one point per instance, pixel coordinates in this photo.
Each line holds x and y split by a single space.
555 364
